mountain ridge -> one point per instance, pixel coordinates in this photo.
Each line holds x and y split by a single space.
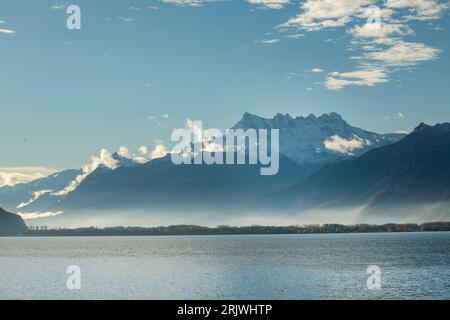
413 171
318 139
162 186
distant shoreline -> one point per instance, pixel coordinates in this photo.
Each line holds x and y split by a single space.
192 230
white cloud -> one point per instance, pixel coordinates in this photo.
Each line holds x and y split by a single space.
404 54
159 151
140 160
57 7
341 145
420 9
190 3
270 4
378 34
295 36
16 175
402 131
144 157
39 215
316 70
105 159
382 30
268 41
7 31
124 152
400 116
126 19
143 150
36 195
363 77
320 14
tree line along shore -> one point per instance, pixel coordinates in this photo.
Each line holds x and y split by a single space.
187 230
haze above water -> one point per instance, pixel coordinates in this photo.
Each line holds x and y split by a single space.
326 266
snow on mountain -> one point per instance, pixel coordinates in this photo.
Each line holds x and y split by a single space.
24 194
320 139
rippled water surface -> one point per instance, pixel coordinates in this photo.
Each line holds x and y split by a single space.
327 266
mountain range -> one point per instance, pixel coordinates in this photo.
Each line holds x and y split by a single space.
11 197
325 164
318 140
410 178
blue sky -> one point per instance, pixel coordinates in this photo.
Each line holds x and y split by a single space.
138 69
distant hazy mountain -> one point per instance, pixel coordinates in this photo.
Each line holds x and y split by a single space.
161 185
37 195
10 223
410 178
11 197
317 140
307 144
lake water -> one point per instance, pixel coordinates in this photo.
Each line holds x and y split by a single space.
326 266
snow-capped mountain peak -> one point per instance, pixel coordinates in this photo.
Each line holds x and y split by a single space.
318 139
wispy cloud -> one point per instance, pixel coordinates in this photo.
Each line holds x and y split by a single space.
267 41
320 14
295 36
270 4
380 31
39 215
316 70
57 7
126 19
105 159
420 9
398 116
403 54
189 3
363 77
7 31
378 35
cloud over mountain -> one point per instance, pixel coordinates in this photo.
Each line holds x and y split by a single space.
16 175
105 159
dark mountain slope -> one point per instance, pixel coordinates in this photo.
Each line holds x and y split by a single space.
10 224
416 170
162 185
